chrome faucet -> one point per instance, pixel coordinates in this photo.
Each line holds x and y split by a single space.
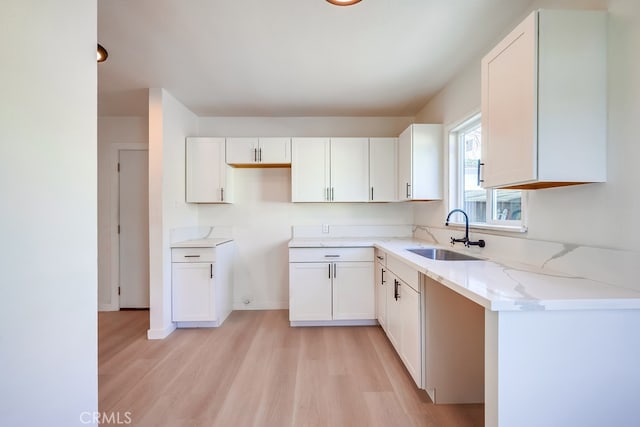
465 239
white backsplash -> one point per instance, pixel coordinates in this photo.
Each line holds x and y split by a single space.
180 234
616 267
342 231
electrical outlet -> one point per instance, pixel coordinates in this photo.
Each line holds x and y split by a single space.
325 228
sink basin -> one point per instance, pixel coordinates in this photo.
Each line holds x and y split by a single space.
442 254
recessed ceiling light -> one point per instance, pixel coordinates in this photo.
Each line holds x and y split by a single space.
343 2
102 54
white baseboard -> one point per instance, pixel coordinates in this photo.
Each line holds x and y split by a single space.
266 305
160 334
108 307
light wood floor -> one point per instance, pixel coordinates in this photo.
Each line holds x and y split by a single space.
257 371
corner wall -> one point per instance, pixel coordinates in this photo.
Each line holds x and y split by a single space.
48 182
169 123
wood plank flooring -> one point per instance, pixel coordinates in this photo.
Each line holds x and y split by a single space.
255 370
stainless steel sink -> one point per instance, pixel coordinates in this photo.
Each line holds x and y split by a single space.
442 254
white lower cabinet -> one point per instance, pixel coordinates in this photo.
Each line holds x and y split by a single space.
192 295
381 284
404 316
201 293
331 285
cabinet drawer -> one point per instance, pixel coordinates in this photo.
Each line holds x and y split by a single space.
381 257
330 254
405 272
193 255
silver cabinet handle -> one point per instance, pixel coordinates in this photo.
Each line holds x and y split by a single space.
255 154
211 271
222 194
326 193
480 164
379 257
382 281
372 194
408 190
329 270
335 270
192 256
332 256
332 194
260 155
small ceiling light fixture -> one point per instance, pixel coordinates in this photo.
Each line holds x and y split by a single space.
102 53
343 2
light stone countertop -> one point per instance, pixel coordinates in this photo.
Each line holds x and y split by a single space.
494 285
200 243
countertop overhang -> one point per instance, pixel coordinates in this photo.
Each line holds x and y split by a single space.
496 285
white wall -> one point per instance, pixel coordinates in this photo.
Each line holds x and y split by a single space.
262 214
48 182
169 123
113 132
597 215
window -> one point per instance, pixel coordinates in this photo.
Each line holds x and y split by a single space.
501 208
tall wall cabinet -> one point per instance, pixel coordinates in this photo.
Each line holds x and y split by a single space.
544 100
420 163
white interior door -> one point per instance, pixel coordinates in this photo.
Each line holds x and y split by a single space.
133 216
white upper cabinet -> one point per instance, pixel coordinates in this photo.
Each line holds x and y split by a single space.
349 170
544 93
208 177
330 169
382 169
420 162
310 169
258 151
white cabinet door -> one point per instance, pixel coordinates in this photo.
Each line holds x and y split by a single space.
310 169
544 96
353 292
404 164
207 173
349 169
242 151
394 313
381 285
420 163
410 341
274 151
310 291
192 294
509 97
382 169
258 151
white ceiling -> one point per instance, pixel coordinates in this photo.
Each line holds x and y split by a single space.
291 57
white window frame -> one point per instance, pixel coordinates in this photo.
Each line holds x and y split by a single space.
456 183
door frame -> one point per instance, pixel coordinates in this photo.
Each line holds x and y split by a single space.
114 239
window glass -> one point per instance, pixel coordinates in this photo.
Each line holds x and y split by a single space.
483 206
474 197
